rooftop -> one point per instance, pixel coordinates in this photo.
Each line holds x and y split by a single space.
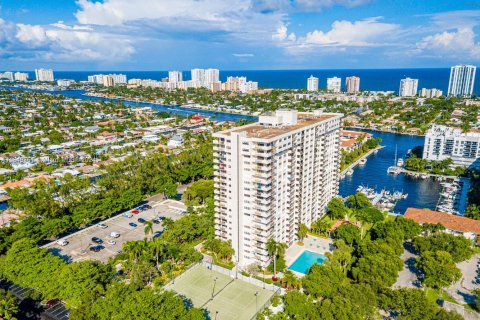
449 221
257 130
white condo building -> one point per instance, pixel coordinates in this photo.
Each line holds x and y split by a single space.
462 79
44 75
442 142
352 84
198 75
408 87
312 84
211 76
21 76
431 93
334 84
7 75
175 76
272 176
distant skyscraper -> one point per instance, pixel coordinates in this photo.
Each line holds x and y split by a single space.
108 80
44 75
211 76
408 87
7 75
353 84
334 84
431 93
312 84
462 78
175 76
198 75
21 76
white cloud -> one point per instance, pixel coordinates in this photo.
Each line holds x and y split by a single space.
363 33
63 42
317 5
459 43
243 55
366 32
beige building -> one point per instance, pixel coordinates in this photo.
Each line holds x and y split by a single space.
353 84
272 176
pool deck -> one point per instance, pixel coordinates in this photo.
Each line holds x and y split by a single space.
311 243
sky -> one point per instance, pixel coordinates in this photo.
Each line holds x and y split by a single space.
237 34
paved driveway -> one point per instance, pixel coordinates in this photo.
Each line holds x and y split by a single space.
409 276
460 290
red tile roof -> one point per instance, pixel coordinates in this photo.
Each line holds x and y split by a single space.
449 221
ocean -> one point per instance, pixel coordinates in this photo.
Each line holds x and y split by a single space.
370 79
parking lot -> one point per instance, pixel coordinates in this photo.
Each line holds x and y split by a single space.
129 228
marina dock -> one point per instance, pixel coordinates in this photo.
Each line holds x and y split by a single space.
357 162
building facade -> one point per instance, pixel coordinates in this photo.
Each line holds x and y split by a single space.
44 75
352 84
175 76
462 79
272 176
312 84
431 93
442 142
21 76
408 87
334 84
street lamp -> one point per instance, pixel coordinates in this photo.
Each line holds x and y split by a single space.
216 314
214 283
256 302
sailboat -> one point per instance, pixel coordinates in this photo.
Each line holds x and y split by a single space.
394 169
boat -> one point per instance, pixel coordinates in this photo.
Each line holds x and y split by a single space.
400 162
394 169
376 151
349 172
424 176
362 161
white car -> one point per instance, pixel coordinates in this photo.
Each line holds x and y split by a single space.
111 242
102 226
114 234
62 242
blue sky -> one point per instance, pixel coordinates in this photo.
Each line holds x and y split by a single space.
237 34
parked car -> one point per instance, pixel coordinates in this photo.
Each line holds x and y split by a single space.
141 220
156 221
114 234
102 226
133 225
135 211
127 215
97 248
97 240
111 242
157 234
62 242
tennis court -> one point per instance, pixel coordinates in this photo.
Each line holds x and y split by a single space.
233 299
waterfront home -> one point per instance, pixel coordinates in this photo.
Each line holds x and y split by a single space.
151 138
457 225
175 142
92 129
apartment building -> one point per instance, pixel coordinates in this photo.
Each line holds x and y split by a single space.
462 80
408 87
442 142
334 84
352 84
312 83
44 75
272 176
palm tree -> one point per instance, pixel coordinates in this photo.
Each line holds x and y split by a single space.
275 249
289 281
159 247
148 228
167 223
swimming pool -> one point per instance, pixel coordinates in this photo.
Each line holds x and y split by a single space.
306 260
